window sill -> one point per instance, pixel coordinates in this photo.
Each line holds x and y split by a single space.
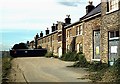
79 35
95 60
115 38
112 11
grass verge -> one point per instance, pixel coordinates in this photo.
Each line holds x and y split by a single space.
6 65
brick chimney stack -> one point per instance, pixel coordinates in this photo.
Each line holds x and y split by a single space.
53 27
41 34
68 20
47 31
90 7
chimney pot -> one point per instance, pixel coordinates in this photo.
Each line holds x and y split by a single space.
90 7
68 20
41 34
47 31
53 27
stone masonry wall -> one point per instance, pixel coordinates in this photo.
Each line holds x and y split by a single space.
89 26
110 22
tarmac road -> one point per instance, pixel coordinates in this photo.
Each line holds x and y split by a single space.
41 69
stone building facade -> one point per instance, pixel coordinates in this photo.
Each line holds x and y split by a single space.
110 30
91 34
96 34
74 37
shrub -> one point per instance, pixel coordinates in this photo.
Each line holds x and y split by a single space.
97 66
116 69
69 56
82 62
49 54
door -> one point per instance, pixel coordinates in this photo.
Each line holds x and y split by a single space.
59 52
77 48
96 45
113 46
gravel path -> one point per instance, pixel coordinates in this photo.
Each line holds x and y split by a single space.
40 69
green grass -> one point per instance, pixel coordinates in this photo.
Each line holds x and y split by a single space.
6 64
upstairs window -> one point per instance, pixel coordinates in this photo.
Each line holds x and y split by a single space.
69 33
59 38
79 30
45 40
113 34
53 37
112 5
48 39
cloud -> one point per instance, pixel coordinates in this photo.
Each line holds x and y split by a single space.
73 3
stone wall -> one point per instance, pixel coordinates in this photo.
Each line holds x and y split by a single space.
89 26
110 22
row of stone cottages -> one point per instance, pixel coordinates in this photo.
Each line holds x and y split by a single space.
96 34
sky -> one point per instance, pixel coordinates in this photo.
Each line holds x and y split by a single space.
21 20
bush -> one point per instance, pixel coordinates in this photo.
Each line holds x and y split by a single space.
116 69
97 66
105 73
69 56
49 54
82 62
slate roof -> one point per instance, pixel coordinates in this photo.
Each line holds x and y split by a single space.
96 10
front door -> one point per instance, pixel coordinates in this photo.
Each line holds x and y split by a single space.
96 44
113 46
60 52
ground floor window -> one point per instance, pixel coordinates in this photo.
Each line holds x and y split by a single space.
68 48
113 34
96 44
79 48
113 46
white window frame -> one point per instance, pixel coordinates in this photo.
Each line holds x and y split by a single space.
113 37
81 30
77 30
115 5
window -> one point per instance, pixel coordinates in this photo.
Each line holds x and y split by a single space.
68 48
112 5
114 34
79 30
48 39
45 40
80 27
53 37
69 33
79 48
59 38
53 49
117 33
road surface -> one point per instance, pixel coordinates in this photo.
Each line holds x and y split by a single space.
41 69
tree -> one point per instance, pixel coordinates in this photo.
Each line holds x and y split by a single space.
20 46
39 47
16 46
